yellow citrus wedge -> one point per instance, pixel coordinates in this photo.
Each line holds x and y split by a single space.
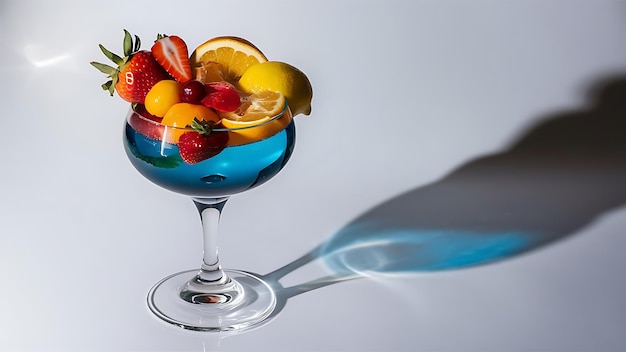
252 121
280 77
233 55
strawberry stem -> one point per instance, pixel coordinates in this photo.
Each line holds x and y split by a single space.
202 127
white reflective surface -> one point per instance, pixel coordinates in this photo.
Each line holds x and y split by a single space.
474 132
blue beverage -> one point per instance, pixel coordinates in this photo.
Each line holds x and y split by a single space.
234 169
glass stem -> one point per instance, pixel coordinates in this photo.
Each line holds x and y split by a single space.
210 210
211 285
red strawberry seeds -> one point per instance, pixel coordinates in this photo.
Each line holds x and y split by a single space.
137 78
201 144
135 73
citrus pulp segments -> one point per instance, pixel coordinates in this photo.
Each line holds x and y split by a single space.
233 53
248 132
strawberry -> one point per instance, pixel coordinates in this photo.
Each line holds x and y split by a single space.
135 73
221 96
139 76
202 143
151 129
171 53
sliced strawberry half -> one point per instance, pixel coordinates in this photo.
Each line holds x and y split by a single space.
221 96
172 54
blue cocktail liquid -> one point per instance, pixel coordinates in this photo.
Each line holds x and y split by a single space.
235 169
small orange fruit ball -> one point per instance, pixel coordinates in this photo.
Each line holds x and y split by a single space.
162 96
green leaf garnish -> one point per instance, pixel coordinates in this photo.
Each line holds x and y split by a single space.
168 162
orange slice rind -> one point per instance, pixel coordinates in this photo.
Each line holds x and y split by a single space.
233 55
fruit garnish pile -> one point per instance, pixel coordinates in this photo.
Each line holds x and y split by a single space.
225 82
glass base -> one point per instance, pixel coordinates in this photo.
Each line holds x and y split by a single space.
253 303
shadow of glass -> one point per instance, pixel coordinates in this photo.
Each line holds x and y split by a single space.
556 179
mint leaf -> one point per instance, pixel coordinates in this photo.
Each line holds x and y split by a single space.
170 162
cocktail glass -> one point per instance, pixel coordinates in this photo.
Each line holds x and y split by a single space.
211 298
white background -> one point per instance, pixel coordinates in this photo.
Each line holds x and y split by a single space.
405 92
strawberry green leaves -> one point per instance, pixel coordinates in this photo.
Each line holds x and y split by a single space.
135 72
129 48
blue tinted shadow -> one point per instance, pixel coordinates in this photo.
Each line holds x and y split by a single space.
371 248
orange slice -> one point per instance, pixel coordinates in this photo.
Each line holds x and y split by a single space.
233 55
255 119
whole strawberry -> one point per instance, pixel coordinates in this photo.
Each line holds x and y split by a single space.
202 143
136 72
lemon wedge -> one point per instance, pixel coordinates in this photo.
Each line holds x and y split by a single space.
280 77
